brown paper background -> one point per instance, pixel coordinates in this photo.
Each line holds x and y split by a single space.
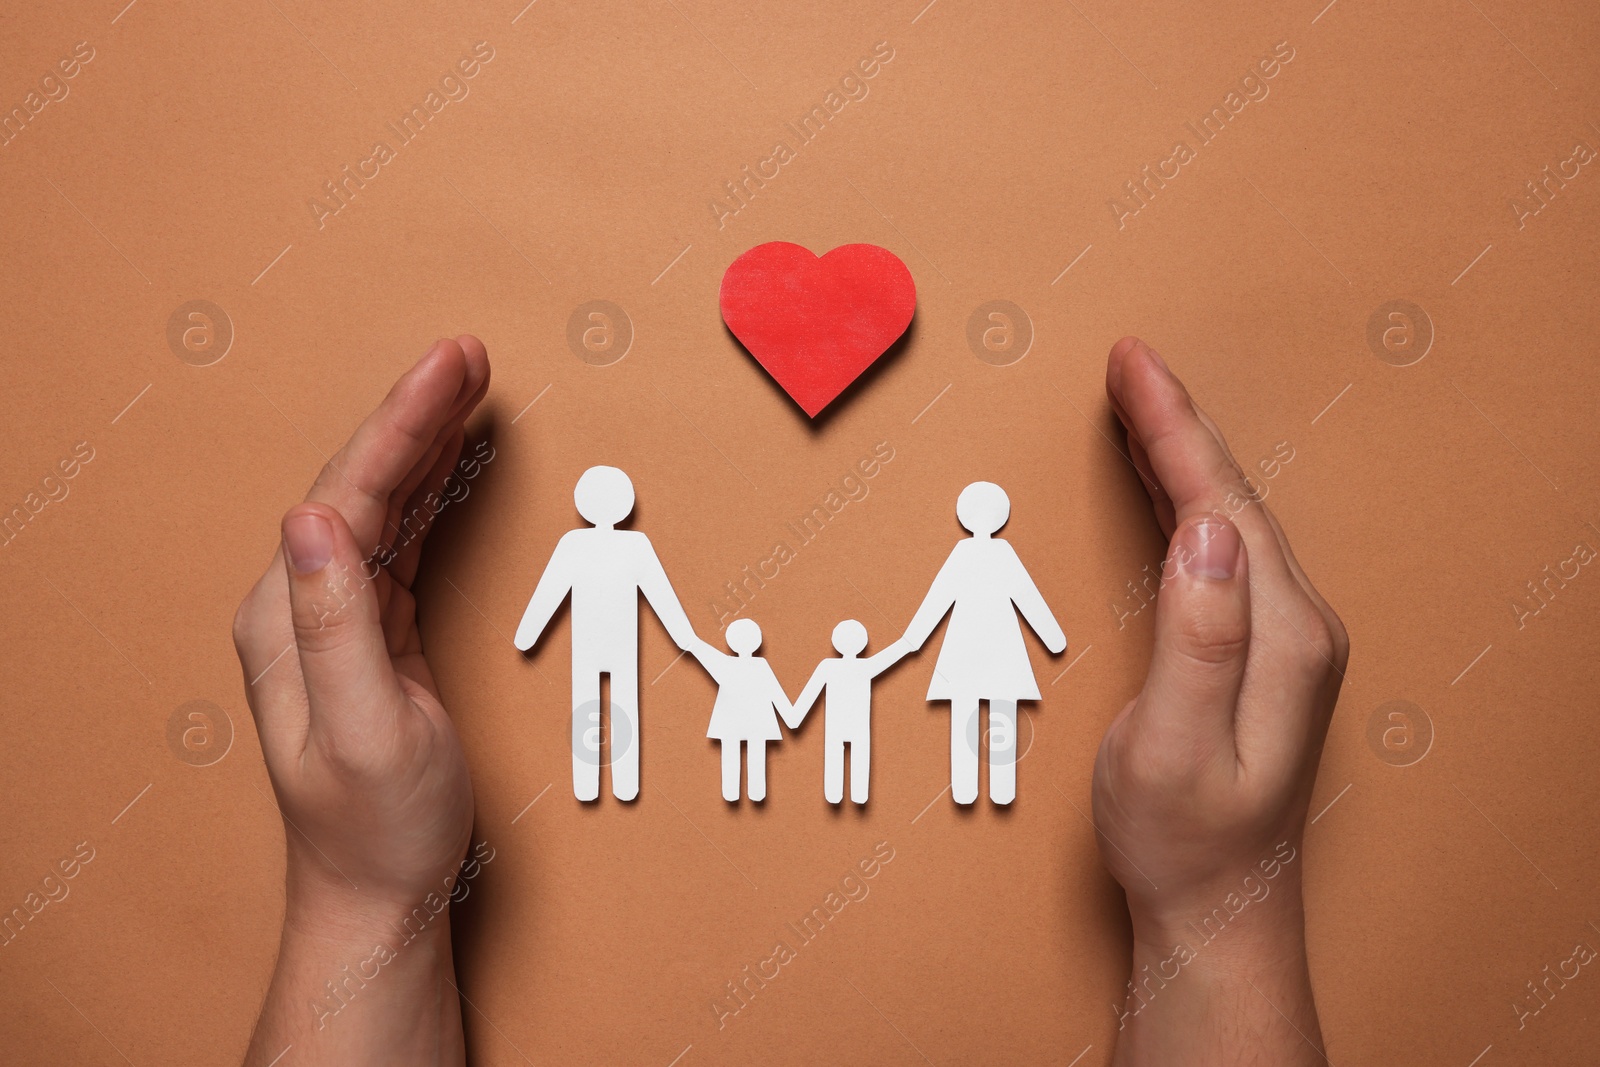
1380 167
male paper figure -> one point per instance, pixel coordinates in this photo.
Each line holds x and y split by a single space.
847 718
605 570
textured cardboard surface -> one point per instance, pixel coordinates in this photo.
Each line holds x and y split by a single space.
583 160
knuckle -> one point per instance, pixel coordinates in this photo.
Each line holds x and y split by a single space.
1319 648
1341 639
332 618
1210 639
330 475
1225 472
338 480
325 631
246 624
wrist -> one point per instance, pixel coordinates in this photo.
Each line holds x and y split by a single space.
1215 969
1249 910
1232 930
361 980
339 913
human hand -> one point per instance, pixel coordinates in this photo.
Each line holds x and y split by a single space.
1202 782
368 772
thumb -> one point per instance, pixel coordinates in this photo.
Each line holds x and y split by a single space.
344 659
1202 638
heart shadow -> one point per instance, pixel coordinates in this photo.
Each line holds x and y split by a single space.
820 422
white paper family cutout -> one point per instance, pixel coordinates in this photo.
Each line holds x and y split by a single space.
983 659
604 569
983 585
845 684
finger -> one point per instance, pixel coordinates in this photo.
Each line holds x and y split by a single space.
400 620
359 481
397 610
351 688
1283 541
395 530
1202 643
418 516
264 633
1136 451
1289 557
1114 362
401 503
1195 471
474 386
264 640
1159 500
477 378
1341 639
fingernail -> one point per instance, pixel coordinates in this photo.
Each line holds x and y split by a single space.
1157 357
1211 549
308 539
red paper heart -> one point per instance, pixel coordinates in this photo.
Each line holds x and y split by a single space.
815 323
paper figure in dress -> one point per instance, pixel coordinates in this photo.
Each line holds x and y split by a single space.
982 587
749 701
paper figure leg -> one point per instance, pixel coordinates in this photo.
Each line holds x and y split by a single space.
964 750
623 732
833 771
860 769
585 734
756 769
730 771
1002 751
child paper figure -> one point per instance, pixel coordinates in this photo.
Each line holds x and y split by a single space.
749 701
846 686
605 570
982 586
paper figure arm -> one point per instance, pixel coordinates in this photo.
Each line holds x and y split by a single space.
808 696
1031 603
780 699
885 658
554 585
941 596
663 600
709 656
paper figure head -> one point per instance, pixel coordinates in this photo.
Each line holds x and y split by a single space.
849 638
604 496
744 636
983 508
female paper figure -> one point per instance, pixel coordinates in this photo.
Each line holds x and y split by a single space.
983 657
845 684
749 701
